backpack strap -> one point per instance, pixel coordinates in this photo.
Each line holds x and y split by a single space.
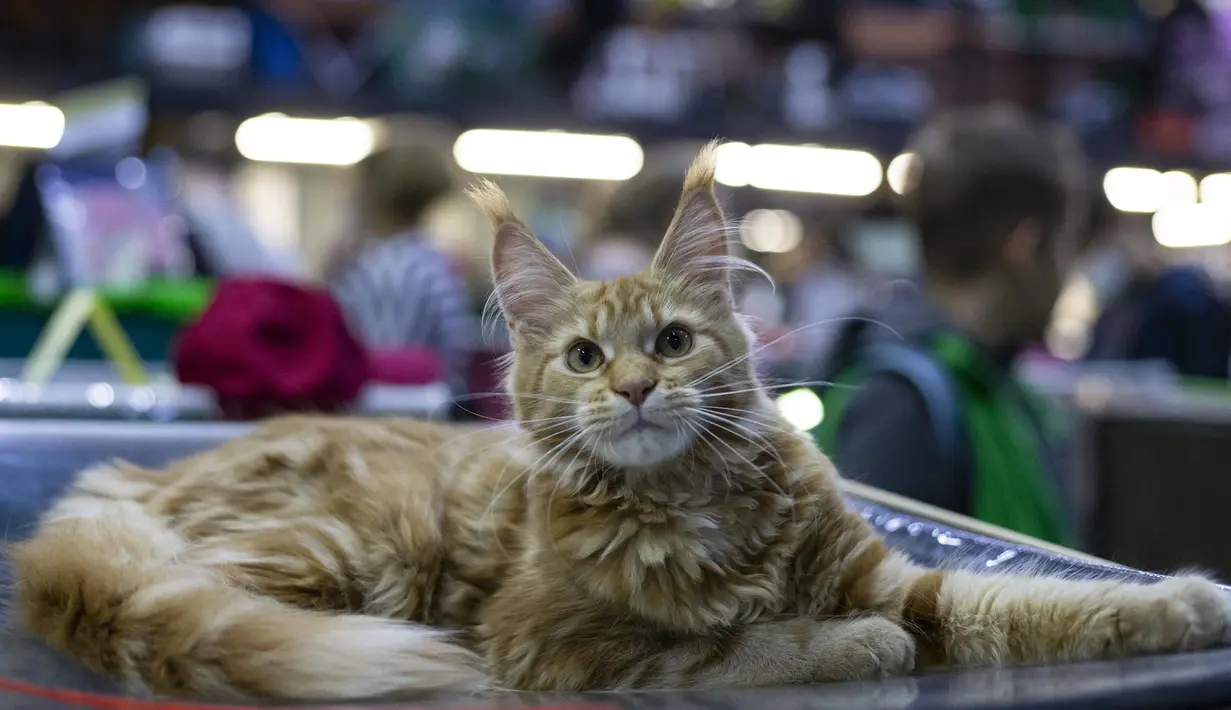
935 384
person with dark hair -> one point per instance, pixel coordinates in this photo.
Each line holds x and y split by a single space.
629 228
1152 309
924 402
401 296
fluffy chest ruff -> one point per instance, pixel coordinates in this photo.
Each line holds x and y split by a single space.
680 561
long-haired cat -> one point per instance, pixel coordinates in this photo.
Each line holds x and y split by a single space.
651 522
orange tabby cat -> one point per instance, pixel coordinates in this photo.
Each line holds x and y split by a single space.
651 523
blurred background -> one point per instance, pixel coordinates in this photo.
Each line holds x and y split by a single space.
153 152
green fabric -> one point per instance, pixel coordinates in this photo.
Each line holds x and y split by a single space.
178 301
1011 487
151 316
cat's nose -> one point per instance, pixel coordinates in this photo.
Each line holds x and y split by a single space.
635 391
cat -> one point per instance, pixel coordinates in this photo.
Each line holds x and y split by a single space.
649 522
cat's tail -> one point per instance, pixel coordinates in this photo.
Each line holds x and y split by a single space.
108 584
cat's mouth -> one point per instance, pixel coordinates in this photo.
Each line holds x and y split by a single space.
642 438
637 422
640 425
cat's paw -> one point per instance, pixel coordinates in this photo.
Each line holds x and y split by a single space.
871 648
1179 614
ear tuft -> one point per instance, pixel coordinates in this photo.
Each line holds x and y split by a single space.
488 196
695 246
704 167
529 281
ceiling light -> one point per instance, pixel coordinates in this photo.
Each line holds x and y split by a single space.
898 172
31 125
774 231
1200 225
277 138
800 168
548 154
1216 188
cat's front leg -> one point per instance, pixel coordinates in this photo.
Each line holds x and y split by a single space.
536 646
769 653
1179 614
986 620
973 619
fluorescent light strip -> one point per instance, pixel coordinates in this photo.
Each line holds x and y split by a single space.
734 164
1134 189
548 154
1216 189
277 138
796 168
1179 188
1200 225
31 125
1147 190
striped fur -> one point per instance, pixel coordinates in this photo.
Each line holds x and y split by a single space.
339 558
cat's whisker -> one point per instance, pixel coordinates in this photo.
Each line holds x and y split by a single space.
732 428
720 392
702 435
539 420
520 477
564 430
756 351
759 420
520 395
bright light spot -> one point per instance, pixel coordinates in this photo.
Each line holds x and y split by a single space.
1201 225
796 168
142 399
276 138
1076 308
1216 188
550 154
777 231
1134 189
827 171
1147 190
802 409
734 164
130 173
1068 338
1179 188
31 125
898 172
100 395
1092 393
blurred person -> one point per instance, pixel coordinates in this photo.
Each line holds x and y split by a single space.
822 287
629 228
925 403
402 297
1152 309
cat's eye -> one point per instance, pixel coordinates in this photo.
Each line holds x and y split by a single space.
583 356
673 341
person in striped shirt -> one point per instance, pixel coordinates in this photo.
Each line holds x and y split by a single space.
398 292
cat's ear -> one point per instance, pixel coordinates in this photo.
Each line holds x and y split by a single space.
695 247
529 281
